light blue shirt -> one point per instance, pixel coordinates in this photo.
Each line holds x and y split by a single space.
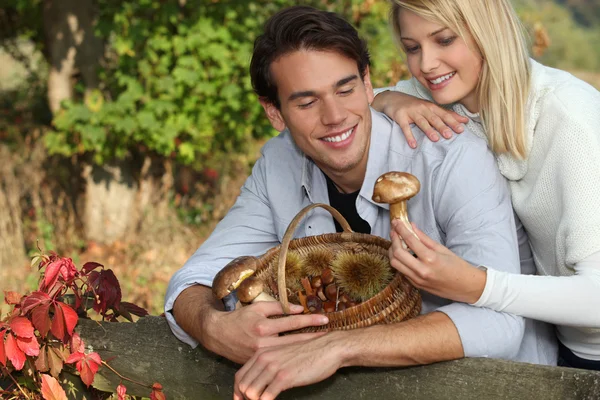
464 204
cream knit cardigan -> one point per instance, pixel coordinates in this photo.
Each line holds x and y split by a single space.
556 195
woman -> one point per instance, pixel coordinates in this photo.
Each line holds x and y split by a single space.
544 127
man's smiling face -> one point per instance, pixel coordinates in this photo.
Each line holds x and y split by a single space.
325 105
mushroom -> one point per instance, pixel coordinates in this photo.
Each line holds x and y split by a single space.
230 277
395 188
251 290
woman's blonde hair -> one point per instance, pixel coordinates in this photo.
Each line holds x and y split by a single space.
503 86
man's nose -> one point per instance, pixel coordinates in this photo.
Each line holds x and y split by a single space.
333 112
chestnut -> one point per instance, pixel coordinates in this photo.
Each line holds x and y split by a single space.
331 292
314 304
341 306
321 295
329 306
327 276
344 298
316 282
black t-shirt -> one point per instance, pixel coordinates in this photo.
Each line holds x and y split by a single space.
345 203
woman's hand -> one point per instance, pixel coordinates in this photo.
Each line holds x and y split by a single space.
429 117
436 269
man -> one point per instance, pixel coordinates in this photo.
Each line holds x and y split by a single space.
311 73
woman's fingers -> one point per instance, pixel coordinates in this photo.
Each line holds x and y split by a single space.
407 131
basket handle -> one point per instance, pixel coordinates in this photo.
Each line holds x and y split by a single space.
281 286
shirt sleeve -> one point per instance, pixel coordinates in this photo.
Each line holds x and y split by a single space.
474 213
247 229
410 86
562 300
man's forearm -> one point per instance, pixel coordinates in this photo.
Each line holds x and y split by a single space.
192 310
423 340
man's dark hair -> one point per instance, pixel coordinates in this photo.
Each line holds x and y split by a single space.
302 28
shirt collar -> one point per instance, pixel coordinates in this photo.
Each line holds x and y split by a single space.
377 164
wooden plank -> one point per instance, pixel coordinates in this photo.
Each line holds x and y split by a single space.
146 351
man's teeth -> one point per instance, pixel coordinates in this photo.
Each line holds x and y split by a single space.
442 78
339 138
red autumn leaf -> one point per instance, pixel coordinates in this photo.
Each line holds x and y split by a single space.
133 309
2 351
77 345
157 393
51 389
41 363
12 297
90 266
29 346
121 392
107 288
86 364
59 268
22 327
58 323
33 300
14 353
41 319
64 318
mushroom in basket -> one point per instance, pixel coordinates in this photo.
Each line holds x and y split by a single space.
238 275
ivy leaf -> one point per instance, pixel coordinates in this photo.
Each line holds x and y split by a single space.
64 317
41 319
29 346
22 327
2 351
77 345
55 361
106 286
126 309
121 392
41 363
90 266
33 300
51 389
12 298
157 393
14 353
86 364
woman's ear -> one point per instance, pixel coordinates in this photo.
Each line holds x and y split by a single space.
273 114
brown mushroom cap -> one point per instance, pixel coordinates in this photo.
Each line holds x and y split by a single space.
232 275
249 289
393 187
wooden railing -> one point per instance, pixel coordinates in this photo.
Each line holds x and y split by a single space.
147 352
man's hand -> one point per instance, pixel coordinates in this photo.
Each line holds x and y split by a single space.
238 334
429 117
436 269
275 369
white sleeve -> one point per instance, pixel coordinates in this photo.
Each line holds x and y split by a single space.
562 300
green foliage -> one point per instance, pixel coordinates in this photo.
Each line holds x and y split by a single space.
178 82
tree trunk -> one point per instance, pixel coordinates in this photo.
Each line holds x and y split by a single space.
12 247
119 196
71 46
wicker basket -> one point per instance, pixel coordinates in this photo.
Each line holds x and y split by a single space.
398 301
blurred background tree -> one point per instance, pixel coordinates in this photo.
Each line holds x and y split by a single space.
116 116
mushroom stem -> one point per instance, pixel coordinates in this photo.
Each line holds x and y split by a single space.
399 211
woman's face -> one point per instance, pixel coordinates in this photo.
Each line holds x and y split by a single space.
441 60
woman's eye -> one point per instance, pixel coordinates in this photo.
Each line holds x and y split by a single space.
447 41
412 49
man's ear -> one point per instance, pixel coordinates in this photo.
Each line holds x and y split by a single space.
273 114
368 86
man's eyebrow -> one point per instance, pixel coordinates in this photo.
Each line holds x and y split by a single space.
428 35
311 93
